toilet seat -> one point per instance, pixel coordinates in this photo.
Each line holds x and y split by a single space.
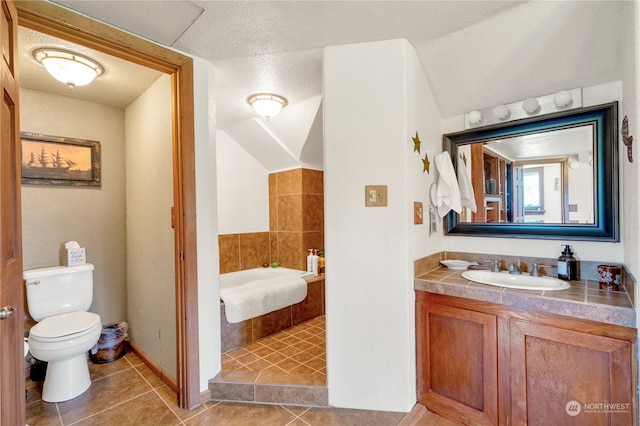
65 326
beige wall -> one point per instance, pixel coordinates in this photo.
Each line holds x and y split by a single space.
94 217
150 260
125 224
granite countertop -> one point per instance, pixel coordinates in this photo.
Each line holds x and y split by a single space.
583 300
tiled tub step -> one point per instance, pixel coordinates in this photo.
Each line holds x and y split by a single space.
291 389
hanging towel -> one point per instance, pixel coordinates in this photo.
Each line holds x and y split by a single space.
447 192
260 297
467 196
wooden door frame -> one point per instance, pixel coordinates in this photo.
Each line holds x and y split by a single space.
62 23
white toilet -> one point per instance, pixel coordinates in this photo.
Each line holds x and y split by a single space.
58 298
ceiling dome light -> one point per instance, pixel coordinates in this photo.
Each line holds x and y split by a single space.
267 105
67 67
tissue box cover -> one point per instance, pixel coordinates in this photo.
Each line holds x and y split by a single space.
76 256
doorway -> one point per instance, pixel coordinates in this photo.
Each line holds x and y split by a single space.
55 21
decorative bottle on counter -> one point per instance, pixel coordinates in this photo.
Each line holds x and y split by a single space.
309 260
567 265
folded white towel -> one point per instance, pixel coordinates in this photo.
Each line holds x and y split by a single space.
260 297
467 195
447 191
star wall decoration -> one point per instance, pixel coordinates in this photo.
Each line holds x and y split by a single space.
426 163
416 143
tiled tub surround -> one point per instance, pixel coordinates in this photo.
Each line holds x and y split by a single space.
236 335
239 252
296 223
583 300
296 215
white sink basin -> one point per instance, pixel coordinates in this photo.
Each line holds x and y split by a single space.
521 281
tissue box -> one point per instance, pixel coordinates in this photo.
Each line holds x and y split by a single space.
76 256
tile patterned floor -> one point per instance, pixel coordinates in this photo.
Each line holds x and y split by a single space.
126 392
288 367
298 350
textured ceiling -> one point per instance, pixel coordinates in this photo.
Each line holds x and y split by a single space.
475 54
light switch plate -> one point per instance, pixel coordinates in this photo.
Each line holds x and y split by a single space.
375 195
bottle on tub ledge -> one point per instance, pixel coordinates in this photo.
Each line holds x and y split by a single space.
315 263
321 262
309 260
567 265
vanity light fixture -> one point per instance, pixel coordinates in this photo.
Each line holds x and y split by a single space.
501 112
267 105
475 117
68 67
531 105
539 105
562 99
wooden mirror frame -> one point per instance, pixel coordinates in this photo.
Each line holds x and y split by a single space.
606 209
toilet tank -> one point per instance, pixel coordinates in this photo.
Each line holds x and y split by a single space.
58 289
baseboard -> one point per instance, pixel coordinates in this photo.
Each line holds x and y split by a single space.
155 368
414 416
205 396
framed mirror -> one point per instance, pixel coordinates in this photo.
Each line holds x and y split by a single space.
546 177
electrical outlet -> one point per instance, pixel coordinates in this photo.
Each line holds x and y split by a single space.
375 195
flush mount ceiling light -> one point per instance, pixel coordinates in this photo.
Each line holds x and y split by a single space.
267 105
68 67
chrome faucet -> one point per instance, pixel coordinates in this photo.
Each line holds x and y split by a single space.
495 268
514 269
536 270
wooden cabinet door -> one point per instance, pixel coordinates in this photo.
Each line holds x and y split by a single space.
563 377
457 362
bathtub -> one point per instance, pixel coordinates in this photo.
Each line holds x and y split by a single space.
234 279
236 335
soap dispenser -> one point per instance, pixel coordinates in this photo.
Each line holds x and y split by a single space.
567 265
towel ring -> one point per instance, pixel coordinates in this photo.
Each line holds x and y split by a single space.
431 196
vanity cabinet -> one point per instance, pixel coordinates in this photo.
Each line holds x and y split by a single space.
484 363
457 361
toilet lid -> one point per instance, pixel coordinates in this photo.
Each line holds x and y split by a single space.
58 326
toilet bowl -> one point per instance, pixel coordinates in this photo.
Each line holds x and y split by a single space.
58 297
63 341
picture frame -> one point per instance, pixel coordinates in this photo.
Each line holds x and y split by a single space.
59 161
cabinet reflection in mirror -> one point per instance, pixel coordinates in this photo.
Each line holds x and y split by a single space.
553 176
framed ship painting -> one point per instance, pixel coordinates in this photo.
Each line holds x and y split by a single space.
59 161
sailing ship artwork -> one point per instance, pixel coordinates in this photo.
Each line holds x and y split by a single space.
50 160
